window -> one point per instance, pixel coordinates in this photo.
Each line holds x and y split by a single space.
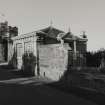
28 47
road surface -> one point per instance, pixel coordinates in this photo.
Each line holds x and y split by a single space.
34 91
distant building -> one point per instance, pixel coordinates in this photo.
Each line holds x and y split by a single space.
6 33
56 50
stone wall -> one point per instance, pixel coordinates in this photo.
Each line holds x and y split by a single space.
52 60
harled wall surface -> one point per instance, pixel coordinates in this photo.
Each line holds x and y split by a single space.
52 60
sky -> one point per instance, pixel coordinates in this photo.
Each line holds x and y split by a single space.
79 15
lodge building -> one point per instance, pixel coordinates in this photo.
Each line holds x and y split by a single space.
56 50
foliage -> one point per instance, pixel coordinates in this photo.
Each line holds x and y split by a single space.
29 64
93 59
81 79
13 62
13 31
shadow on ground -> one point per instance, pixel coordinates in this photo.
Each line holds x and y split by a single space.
47 94
43 93
88 94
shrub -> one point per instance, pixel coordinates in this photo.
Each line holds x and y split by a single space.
29 64
12 64
102 70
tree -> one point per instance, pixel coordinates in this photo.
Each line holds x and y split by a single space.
93 59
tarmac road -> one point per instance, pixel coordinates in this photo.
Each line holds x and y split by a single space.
34 91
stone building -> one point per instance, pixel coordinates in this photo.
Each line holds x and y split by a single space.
56 50
6 33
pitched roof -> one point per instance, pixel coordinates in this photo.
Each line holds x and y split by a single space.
70 36
50 32
53 33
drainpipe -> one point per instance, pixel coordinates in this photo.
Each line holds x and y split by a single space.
75 52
